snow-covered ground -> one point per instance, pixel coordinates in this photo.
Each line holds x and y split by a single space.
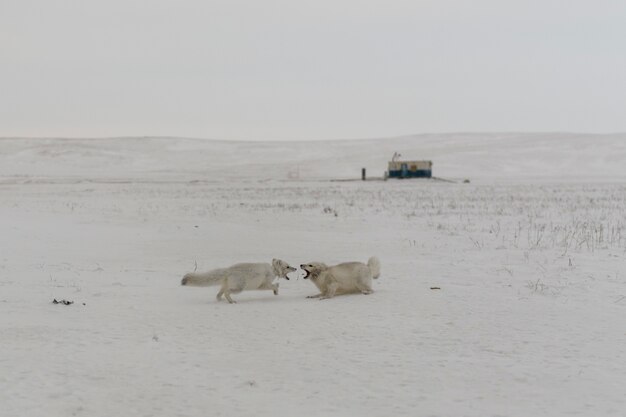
529 258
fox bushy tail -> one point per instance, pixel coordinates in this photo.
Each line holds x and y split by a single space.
374 265
203 279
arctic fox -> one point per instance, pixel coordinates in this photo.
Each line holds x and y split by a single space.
344 278
240 277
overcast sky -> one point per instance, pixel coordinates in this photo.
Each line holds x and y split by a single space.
288 69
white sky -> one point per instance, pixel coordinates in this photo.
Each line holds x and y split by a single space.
288 69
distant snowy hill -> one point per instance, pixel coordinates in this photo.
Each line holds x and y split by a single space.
486 157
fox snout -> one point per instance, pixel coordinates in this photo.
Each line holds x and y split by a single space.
184 281
306 271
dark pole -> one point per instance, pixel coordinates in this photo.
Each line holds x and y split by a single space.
363 174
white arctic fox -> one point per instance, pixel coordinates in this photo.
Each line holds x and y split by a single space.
344 278
240 277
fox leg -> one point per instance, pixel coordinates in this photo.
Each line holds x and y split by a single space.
330 291
270 286
227 295
222 290
364 288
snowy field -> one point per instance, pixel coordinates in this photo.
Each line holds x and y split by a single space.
528 262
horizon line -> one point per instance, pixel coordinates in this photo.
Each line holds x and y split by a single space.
450 133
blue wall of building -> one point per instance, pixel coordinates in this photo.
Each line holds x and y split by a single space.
419 173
